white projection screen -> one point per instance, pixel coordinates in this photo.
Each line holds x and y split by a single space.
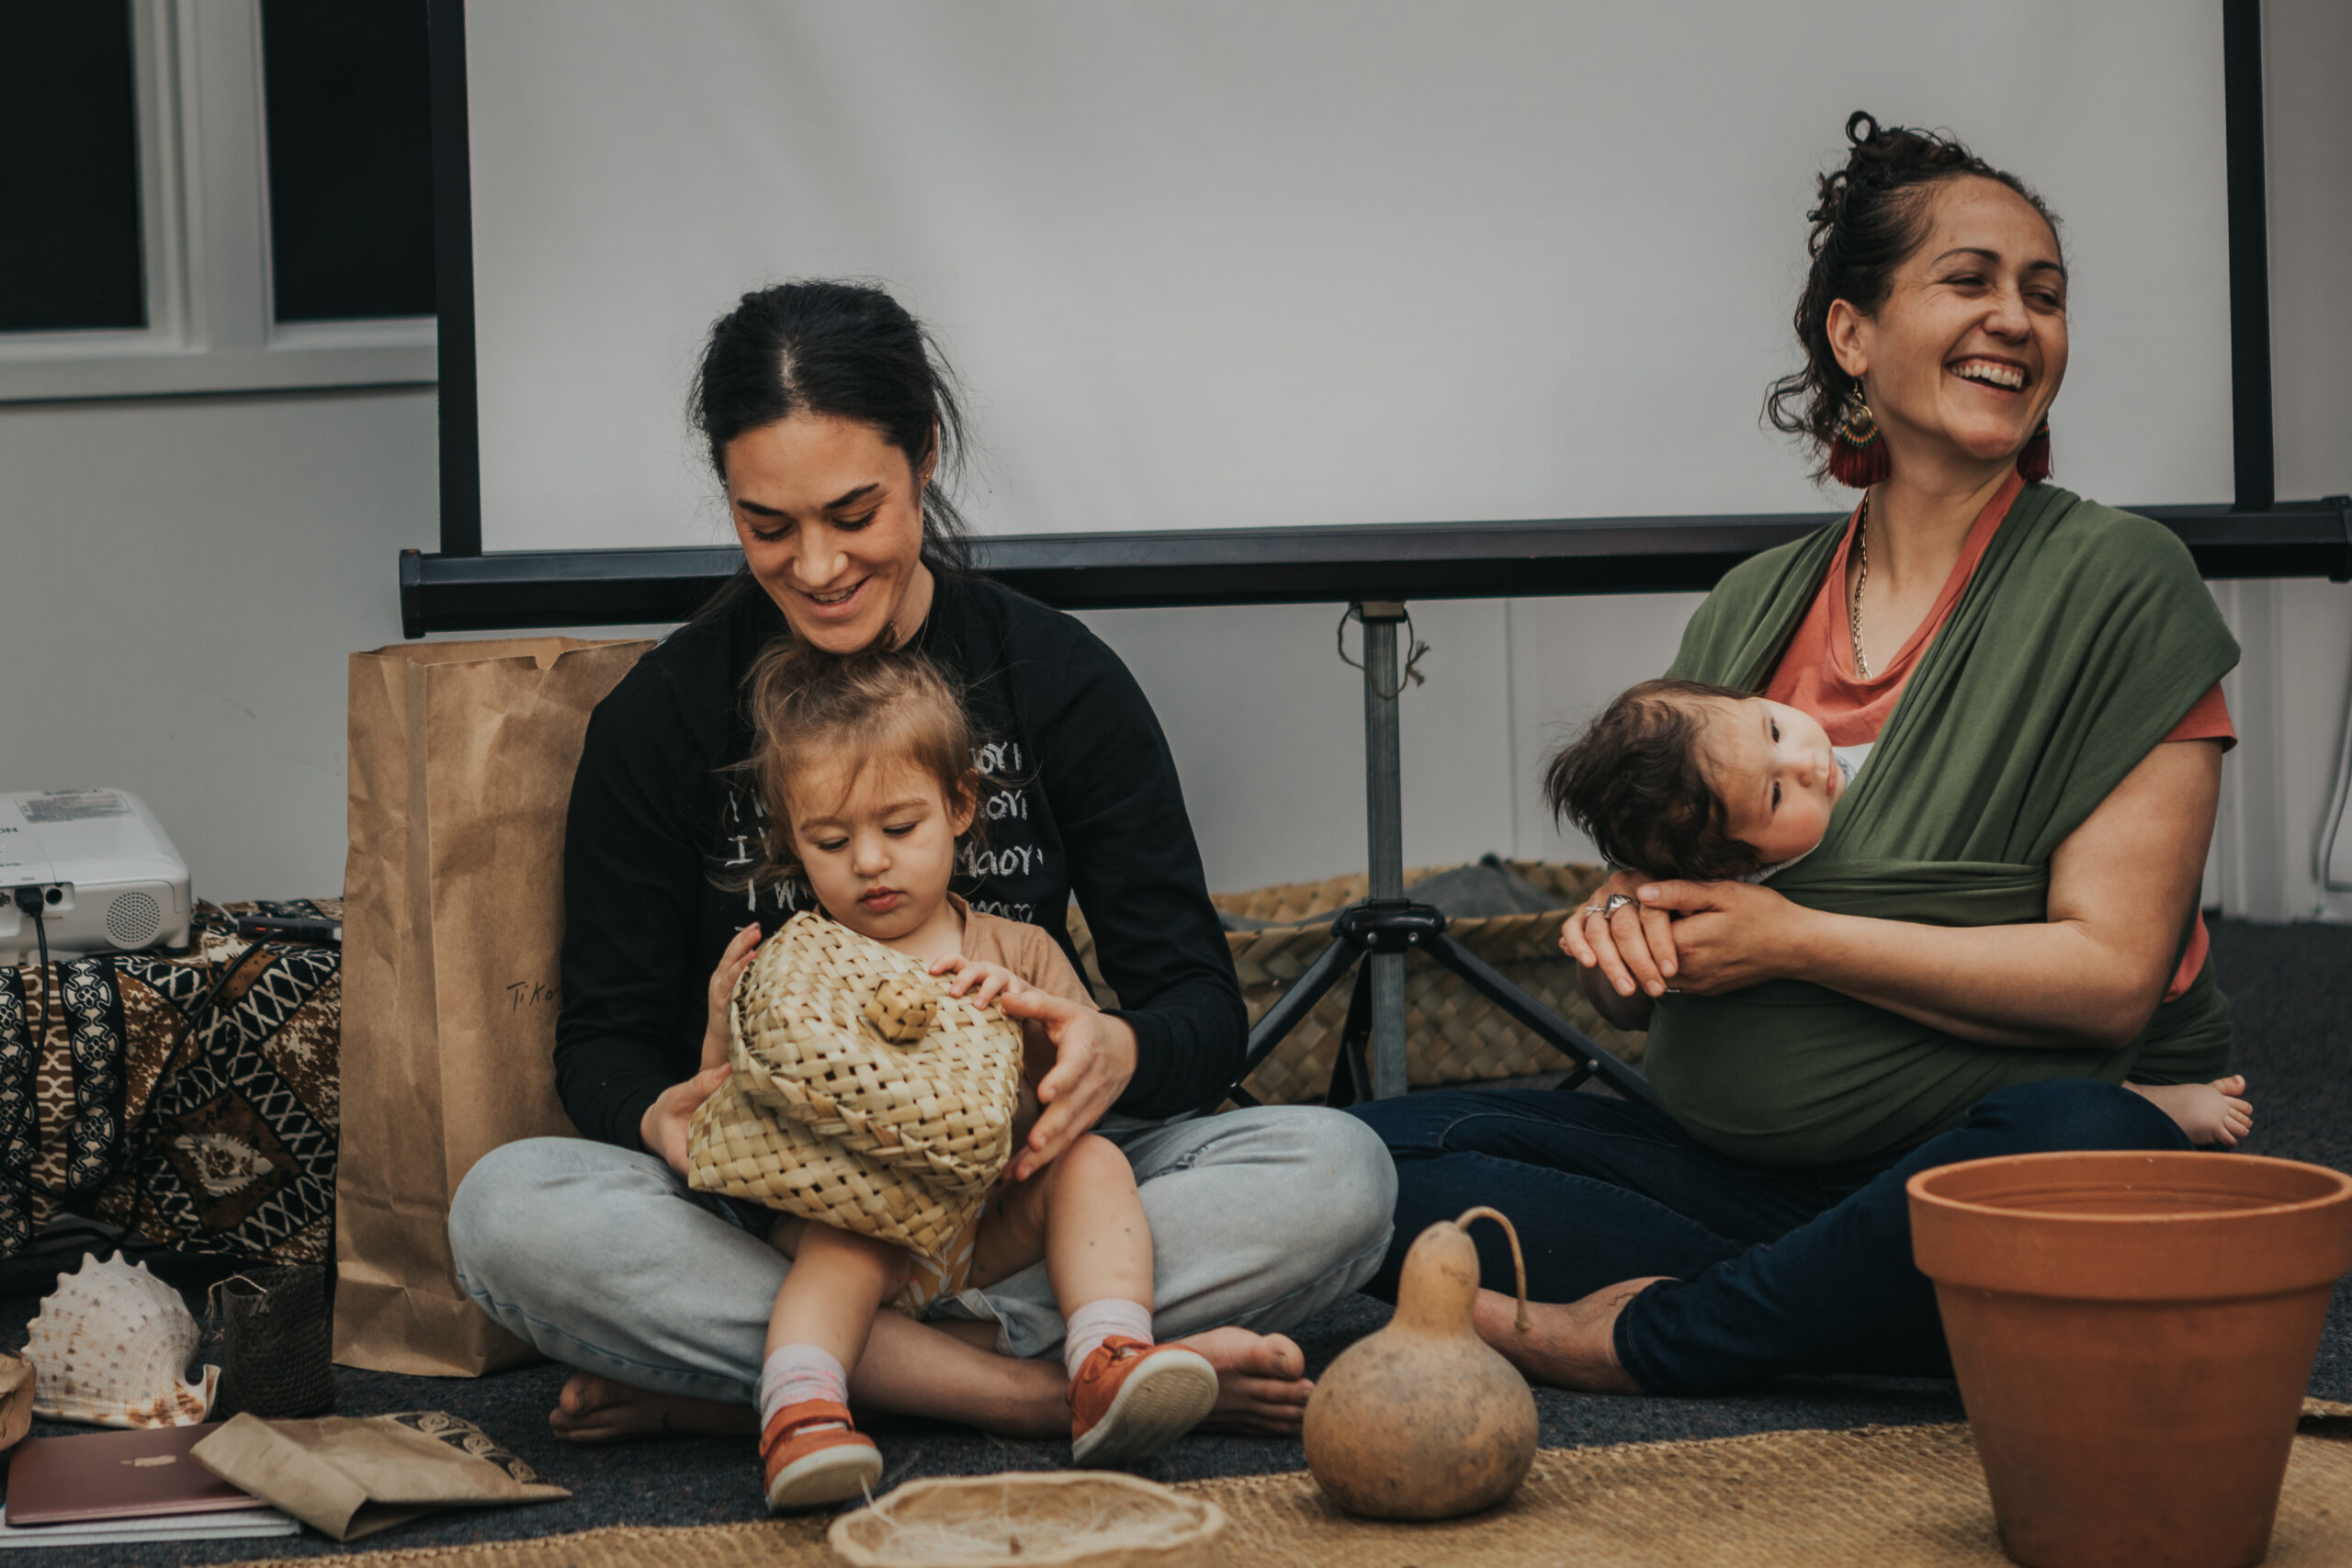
1258 263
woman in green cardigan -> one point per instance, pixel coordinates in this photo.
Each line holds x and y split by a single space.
2000 926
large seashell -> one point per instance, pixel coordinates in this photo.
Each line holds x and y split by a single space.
109 1348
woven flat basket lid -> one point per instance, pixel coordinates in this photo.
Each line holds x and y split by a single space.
1065 1519
858 1050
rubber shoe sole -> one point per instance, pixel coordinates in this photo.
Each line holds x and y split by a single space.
1161 1401
829 1475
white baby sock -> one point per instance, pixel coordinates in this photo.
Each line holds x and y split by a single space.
1097 1321
795 1372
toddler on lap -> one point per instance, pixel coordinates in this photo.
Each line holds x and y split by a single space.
865 772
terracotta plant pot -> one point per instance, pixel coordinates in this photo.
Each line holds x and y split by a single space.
2132 1335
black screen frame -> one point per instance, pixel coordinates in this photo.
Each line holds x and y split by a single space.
462 588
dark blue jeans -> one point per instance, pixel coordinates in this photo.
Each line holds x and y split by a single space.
1775 1269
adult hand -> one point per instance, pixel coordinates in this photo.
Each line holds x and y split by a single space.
1726 935
663 1129
1095 1057
1635 949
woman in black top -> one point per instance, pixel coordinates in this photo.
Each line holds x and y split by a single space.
827 418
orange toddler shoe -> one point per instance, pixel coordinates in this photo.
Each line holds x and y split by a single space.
1130 1400
813 1456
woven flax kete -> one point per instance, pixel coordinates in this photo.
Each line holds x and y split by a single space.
863 1095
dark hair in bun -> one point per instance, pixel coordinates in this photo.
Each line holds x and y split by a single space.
840 348
1873 214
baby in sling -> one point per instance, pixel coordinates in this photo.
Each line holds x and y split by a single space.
1681 779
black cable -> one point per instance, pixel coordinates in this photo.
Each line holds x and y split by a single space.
28 900
195 1015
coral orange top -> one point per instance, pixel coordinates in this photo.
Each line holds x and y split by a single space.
1817 674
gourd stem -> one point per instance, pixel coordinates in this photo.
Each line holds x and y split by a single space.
1520 1325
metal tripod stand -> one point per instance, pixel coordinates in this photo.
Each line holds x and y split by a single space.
1380 931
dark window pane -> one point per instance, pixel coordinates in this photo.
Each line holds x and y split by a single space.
350 158
69 168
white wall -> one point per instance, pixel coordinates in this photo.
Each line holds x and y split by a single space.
1266 723
2294 687
1234 263
179 581
2288 696
1268 732
1268 729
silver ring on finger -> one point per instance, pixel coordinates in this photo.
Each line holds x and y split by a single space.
1616 901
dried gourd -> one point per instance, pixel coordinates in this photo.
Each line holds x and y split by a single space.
1424 1420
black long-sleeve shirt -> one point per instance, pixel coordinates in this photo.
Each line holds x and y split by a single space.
1080 798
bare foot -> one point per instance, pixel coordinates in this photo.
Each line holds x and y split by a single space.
1568 1344
597 1410
1262 1386
2208 1112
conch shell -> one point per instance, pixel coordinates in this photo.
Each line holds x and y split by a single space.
110 1346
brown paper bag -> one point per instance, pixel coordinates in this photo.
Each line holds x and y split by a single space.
15 1399
460 767
351 1475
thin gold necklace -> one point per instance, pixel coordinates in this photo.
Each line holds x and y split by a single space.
1861 575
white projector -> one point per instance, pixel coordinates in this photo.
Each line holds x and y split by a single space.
107 877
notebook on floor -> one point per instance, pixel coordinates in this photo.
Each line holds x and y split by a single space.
116 1475
232 1525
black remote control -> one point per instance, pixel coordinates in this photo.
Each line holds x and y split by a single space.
315 929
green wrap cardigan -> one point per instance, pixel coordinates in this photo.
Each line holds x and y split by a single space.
2082 638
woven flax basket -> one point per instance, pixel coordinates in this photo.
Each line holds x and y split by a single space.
863 1095
1452 1034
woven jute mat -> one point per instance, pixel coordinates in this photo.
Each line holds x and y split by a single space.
1886 1496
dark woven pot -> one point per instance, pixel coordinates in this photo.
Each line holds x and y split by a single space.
275 1344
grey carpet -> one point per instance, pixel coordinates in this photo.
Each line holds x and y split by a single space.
2291 987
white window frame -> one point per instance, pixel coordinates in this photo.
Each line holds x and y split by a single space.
204 168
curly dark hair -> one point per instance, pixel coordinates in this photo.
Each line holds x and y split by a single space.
1873 216
1634 785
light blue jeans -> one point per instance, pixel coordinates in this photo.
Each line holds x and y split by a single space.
603 1258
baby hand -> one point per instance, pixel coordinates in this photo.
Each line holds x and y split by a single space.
984 981
731 964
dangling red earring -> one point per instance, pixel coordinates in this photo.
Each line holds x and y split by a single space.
2033 462
1858 452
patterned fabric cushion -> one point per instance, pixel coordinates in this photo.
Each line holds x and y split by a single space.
224 1144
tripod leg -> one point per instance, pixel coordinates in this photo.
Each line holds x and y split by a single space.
1295 1003
1351 1071
1548 1025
